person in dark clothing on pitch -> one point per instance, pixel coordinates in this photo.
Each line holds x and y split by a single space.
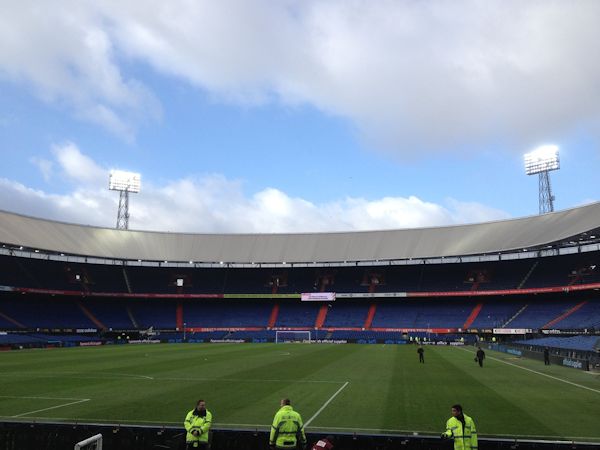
546 357
421 352
480 356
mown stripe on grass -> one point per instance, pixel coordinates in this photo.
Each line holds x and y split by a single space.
492 400
85 376
540 373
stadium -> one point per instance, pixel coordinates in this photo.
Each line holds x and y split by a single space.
119 332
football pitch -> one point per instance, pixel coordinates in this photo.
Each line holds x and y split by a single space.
343 388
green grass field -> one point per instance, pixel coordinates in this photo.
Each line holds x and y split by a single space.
380 388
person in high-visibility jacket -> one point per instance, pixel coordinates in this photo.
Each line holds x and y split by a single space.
197 424
461 429
287 429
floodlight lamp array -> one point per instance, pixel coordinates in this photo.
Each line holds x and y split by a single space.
124 181
543 159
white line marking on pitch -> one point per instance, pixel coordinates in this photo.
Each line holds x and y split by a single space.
539 373
131 375
52 407
82 375
307 423
38 398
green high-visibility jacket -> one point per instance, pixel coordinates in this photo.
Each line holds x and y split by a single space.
193 421
287 428
463 439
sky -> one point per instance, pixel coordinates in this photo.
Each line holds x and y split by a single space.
261 116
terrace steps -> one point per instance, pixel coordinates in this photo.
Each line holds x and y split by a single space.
91 316
274 314
179 316
564 315
127 283
519 312
473 315
130 314
321 316
370 316
11 320
526 277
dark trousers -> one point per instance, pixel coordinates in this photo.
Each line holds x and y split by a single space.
480 360
546 361
421 359
196 446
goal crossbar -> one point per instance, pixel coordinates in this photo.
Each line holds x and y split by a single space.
293 336
97 439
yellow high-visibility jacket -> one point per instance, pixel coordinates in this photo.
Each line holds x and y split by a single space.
463 439
193 421
287 428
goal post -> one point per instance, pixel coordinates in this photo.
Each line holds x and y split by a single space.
91 443
293 336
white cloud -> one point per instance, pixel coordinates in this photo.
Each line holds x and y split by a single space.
78 206
64 51
45 166
215 204
413 76
79 167
109 119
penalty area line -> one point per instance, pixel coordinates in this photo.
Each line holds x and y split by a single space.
52 407
38 398
539 373
325 404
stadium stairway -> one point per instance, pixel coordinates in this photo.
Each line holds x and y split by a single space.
519 312
126 278
90 316
321 316
179 316
130 314
564 315
11 320
473 315
370 316
526 277
274 314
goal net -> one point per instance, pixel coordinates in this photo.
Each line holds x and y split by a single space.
91 443
292 336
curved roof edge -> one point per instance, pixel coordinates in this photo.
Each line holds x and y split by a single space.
457 240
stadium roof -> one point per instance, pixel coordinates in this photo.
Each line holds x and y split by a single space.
474 239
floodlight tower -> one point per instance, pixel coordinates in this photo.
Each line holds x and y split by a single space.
124 182
541 161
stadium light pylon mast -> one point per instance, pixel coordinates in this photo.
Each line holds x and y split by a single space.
542 161
124 183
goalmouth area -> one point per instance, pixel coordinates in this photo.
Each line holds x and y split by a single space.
303 336
368 389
